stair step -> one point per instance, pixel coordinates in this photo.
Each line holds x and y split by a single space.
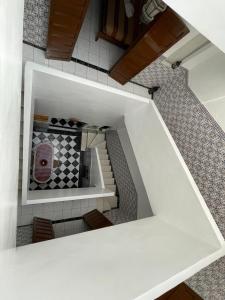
106 168
109 181
105 162
103 156
100 206
102 151
107 174
99 138
102 145
90 137
111 187
113 201
106 204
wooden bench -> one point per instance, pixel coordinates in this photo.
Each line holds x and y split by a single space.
42 230
96 220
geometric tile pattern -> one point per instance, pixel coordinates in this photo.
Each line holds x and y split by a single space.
67 152
36 22
127 193
202 144
156 74
58 122
24 235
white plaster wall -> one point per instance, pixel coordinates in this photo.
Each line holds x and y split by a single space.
135 260
217 110
206 73
206 16
170 187
206 77
57 195
11 25
59 94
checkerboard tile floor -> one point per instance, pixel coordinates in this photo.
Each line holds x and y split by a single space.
67 152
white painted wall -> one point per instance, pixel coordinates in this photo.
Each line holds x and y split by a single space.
206 16
57 195
184 47
136 260
11 26
64 95
206 77
217 110
174 195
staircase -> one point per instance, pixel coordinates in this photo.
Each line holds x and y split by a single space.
97 139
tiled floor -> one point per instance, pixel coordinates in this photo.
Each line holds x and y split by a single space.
100 54
67 152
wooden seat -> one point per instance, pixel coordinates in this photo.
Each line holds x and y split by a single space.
96 220
42 230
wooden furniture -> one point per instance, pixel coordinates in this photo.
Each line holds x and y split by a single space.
159 36
96 220
42 230
115 26
66 18
181 292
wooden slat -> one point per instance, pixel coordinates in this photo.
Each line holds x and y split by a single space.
66 18
96 220
41 118
180 292
42 230
164 32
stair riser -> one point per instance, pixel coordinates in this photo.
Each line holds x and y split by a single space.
99 138
113 201
107 174
104 157
106 168
105 162
102 145
110 187
102 152
108 181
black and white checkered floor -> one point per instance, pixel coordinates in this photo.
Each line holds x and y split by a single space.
67 152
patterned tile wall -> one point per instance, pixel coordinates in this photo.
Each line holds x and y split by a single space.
127 193
35 27
202 144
